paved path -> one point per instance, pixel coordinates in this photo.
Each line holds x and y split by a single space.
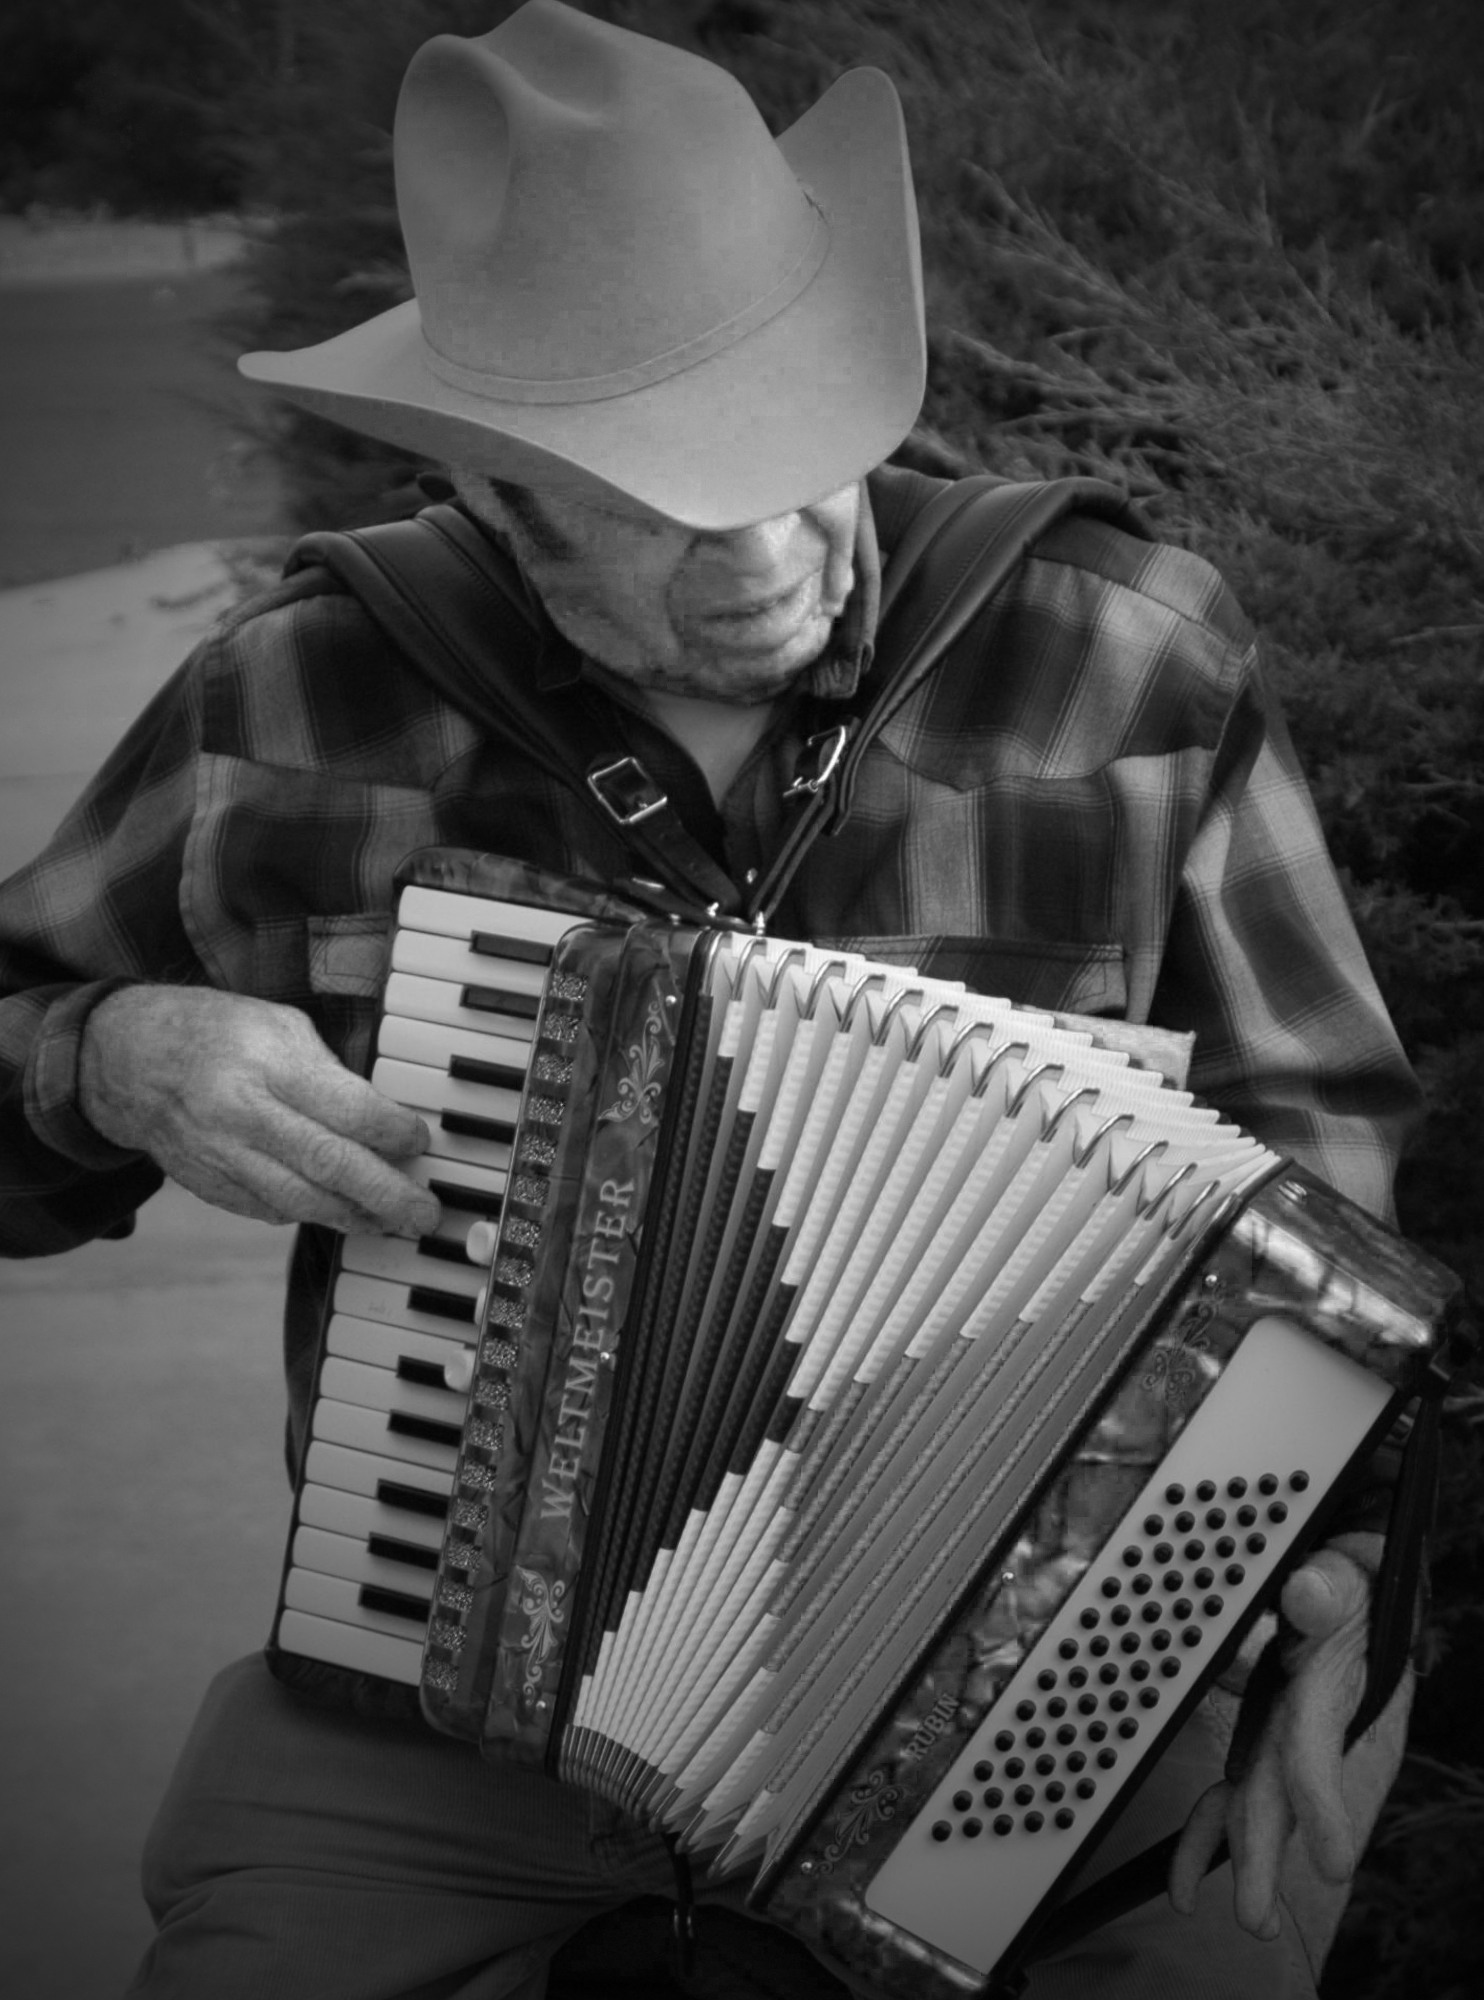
142 1497
142 1500
120 410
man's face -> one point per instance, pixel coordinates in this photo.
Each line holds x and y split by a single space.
732 616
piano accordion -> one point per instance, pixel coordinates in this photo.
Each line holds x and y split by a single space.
843 1420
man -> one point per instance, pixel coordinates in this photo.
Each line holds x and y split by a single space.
661 353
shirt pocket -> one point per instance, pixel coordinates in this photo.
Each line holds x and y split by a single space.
287 877
347 956
1061 976
347 966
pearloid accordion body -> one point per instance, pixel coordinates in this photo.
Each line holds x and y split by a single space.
843 1420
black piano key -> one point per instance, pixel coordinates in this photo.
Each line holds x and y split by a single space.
414 1499
469 1200
450 1250
499 1076
426 1428
427 1374
395 1603
495 1000
443 1305
464 1125
526 951
392 1550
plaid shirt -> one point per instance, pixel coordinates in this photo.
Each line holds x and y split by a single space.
1090 806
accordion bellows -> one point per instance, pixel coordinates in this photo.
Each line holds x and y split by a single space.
887 1406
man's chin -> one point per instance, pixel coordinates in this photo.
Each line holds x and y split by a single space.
743 677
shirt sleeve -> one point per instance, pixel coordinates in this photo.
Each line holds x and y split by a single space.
98 908
1263 961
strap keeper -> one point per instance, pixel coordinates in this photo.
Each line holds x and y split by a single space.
828 747
626 792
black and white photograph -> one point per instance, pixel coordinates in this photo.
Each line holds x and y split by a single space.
742 999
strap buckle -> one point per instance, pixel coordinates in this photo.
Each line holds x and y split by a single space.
828 748
626 792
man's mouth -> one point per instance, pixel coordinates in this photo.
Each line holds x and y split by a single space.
779 607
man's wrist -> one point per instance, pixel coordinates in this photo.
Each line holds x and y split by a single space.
54 1088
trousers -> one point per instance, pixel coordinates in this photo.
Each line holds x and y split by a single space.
304 1854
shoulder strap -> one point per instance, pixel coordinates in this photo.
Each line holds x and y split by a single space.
961 542
457 608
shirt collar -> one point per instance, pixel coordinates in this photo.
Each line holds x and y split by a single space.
834 676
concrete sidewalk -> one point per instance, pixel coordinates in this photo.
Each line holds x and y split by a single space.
142 1491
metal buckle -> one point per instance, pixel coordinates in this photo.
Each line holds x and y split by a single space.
636 796
825 761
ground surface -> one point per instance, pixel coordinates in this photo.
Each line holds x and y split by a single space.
142 1503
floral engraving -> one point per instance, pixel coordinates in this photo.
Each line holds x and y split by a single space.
1175 1373
867 1806
542 1606
639 1089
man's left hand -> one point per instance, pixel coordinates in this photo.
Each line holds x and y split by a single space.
1299 1777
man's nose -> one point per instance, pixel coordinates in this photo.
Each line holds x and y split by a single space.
755 550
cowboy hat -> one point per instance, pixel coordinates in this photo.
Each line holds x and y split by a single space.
625 283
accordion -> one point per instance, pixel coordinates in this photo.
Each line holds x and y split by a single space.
843 1420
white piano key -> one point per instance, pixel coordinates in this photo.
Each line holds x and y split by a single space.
399 1259
492 1154
454 959
354 1515
379 1653
383 1346
363 1432
415 998
452 1229
380 1389
435 1044
383 1299
344 1555
480 1240
455 915
352 1470
337 1597
464 1190
428 1089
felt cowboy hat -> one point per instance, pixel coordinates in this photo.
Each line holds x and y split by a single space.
624 282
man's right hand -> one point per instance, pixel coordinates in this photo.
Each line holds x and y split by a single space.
241 1102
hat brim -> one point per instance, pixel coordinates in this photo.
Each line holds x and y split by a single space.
797 408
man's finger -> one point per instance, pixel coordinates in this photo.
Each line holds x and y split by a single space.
1259 1822
1324 1696
1204 1832
1324 1593
369 1189
264 1187
335 1097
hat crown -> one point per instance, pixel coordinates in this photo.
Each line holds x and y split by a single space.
586 209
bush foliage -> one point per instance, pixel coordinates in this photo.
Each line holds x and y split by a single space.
1228 252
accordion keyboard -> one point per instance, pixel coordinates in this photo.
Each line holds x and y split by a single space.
462 997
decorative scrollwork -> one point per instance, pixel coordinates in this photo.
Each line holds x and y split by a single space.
639 1089
867 1806
1175 1370
544 1612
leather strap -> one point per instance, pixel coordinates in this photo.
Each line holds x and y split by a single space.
457 607
958 548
